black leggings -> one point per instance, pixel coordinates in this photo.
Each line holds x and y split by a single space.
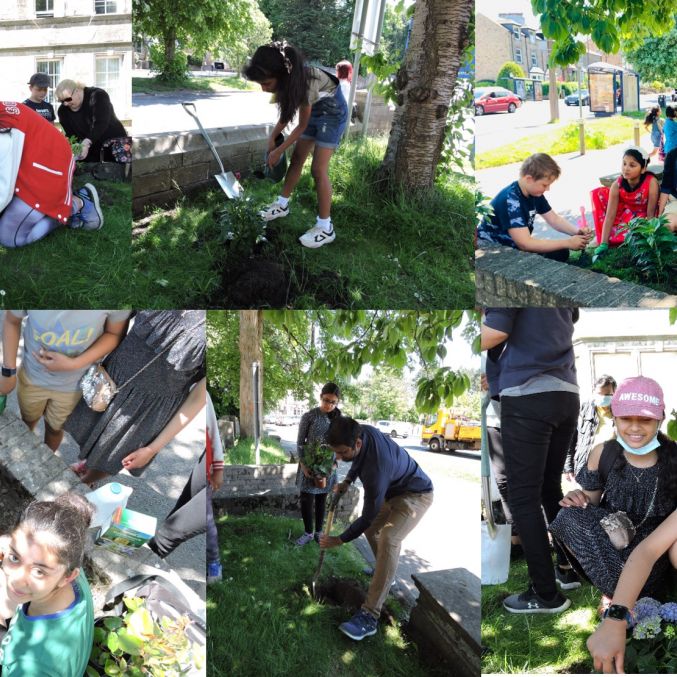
307 510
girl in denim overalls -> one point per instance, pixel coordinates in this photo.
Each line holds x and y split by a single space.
322 111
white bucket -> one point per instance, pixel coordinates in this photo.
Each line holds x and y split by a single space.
495 554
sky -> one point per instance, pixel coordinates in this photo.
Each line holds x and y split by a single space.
492 8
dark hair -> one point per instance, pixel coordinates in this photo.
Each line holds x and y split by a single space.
285 64
331 389
652 116
605 380
343 431
670 112
344 70
65 520
636 155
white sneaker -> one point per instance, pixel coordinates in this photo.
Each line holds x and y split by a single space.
316 237
274 211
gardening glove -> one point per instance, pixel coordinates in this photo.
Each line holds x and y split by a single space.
600 251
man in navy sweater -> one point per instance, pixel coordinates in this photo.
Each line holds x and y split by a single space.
397 493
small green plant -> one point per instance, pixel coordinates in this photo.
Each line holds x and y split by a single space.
76 145
652 246
172 71
319 458
242 229
652 646
457 150
137 645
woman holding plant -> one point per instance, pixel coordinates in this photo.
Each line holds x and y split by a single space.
316 474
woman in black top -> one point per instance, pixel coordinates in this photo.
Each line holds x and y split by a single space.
87 113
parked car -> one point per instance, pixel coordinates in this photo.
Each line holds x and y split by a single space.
394 428
495 100
572 99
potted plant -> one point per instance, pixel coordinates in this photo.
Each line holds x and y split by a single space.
319 459
138 645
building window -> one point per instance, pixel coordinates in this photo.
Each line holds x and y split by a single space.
516 33
52 68
532 38
518 55
534 62
44 7
105 6
108 75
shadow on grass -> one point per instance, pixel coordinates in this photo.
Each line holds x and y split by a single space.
75 268
263 621
532 642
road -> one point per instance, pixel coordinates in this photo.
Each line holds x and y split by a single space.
498 129
447 537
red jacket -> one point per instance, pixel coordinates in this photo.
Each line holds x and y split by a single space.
47 162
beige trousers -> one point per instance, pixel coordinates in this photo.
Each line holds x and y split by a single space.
397 517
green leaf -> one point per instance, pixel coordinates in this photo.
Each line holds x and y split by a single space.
130 643
113 642
111 668
112 622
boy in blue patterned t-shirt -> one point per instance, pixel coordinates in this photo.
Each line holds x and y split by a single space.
515 209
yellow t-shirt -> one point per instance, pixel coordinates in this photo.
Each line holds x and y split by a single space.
605 428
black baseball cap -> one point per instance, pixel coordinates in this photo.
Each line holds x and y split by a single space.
39 80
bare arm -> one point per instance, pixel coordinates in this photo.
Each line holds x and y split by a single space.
304 118
11 335
490 338
611 210
523 239
191 406
662 201
607 643
653 198
580 498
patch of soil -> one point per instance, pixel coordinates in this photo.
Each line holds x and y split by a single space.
348 594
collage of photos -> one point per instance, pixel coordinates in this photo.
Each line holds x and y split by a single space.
370 265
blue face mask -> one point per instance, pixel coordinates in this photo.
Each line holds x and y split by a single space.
603 400
642 451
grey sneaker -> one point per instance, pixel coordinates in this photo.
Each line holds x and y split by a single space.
274 211
567 579
304 539
90 216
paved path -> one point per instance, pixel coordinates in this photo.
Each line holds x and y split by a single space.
156 491
580 174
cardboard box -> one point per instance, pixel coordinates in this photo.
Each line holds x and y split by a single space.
127 531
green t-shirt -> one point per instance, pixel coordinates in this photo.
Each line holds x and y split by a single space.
56 645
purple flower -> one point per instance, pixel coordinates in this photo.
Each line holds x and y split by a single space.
668 612
648 628
646 607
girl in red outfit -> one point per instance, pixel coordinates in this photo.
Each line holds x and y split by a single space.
43 198
634 194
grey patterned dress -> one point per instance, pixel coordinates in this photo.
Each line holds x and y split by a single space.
139 412
628 489
313 429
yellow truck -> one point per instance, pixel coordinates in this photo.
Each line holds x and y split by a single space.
446 431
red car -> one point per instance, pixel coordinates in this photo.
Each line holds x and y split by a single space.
495 100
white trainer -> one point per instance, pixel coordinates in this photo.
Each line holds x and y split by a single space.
274 211
316 237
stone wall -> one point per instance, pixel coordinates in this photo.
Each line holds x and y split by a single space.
272 488
172 164
507 277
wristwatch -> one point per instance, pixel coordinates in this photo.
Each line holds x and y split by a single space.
619 613
6 371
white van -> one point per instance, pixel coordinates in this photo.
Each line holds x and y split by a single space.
394 428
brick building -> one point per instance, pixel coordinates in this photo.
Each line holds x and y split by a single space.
85 40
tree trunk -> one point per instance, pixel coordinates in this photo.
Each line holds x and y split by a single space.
426 82
251 338
170 45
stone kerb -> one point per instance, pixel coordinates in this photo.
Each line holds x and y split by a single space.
507 277
30 470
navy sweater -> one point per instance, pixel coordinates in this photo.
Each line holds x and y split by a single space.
385 470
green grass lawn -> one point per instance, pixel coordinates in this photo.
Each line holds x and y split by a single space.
391 251
242 453
537 643
75 268
214 83
600 133
263 621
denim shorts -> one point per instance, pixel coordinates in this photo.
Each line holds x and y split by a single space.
328 119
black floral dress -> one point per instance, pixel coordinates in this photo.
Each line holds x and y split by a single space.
634 491
313 430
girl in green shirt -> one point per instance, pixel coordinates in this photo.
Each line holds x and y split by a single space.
44 591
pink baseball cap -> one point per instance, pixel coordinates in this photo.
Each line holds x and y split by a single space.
639 396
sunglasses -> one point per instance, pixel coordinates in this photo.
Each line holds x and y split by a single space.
68 99
333 403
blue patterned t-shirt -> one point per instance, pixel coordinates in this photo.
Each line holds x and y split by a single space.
512 209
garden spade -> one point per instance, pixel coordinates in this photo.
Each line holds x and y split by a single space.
227 180
335 497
